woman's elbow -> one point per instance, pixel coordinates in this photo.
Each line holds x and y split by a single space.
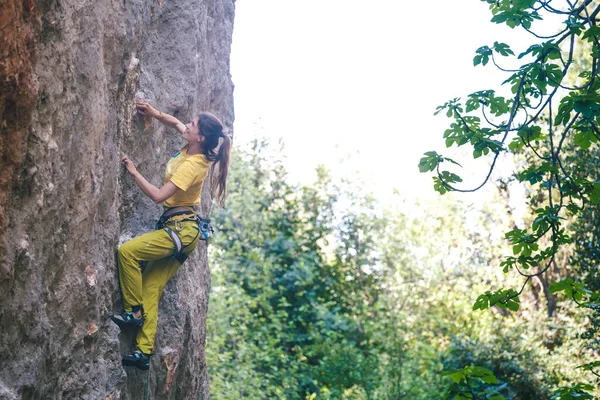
163 193
157 197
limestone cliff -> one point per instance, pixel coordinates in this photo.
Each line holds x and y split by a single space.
69 73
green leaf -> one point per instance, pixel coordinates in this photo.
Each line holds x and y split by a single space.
583 139
508 263
595 193
439 186
517 249
430 161
452 161
455 375
573 290
589 366
589 109
554 74
503 298
577 391
503 49
535 49
591 34
564 111
484 374
450 177
513 305
483 55
515 145
482 302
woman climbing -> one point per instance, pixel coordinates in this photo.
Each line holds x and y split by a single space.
178 232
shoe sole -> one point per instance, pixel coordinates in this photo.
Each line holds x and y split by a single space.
124 324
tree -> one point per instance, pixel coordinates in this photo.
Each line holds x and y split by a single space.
360 302
295 308
551 121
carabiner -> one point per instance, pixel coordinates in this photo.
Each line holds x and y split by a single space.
178 226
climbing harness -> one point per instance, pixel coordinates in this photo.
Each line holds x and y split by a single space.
203 225
178 254
174 212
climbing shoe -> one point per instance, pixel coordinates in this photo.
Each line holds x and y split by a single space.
137 359
128 319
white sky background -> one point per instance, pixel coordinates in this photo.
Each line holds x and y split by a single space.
354 84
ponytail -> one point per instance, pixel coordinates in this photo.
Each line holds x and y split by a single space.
219 180
212 129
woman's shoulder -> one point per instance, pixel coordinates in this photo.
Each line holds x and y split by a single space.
196 158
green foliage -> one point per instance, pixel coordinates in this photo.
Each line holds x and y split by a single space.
313 301
573 290
519 366
578 391
535 79
551 128
514 13
503 298
497 105
471 383
432 160
484 53
295 315
318 293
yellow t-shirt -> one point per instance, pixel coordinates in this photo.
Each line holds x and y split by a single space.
187 172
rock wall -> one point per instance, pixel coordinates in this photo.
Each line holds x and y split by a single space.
69 73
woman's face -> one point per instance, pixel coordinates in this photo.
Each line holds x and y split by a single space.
192 133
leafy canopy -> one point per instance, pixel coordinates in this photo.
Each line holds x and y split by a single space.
550 122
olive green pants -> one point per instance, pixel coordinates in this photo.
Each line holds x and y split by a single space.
145 288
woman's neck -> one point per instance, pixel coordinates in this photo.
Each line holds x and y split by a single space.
194 149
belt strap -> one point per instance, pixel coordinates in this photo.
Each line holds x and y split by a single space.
173 211
178 254
176 240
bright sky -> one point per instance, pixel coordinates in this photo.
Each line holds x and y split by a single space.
354 84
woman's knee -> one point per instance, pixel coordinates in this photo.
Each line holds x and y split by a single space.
125 250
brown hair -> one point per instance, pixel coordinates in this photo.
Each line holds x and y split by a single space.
212 130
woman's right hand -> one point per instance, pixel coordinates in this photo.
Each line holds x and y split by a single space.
129 165
144 108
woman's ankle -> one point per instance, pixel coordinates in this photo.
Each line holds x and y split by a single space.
137 311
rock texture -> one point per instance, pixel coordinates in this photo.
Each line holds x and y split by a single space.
69 73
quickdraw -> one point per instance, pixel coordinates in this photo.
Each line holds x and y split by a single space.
205 228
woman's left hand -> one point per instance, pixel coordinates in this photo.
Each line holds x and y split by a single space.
129 165
144 108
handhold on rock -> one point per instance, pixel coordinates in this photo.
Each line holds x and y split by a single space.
170 359
91 329
90 274
147 122
133 62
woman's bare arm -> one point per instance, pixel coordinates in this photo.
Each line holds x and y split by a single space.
157 195
144 108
